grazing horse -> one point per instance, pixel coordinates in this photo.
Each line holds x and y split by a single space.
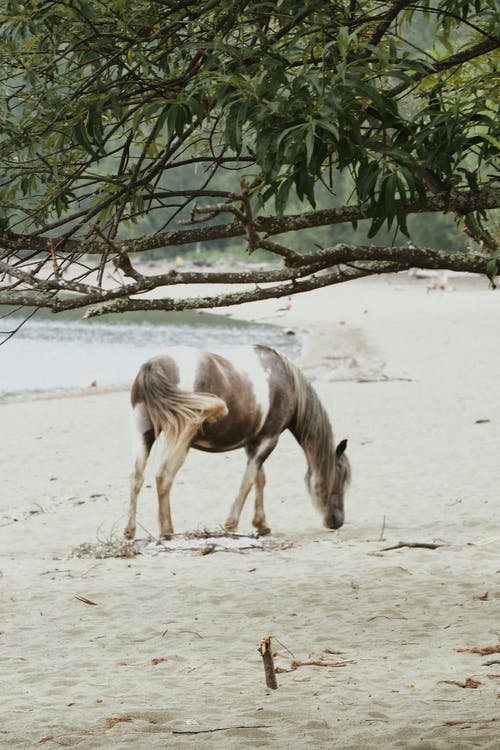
246 399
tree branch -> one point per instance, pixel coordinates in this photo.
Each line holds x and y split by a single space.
488 197
388 18
482 48
237 298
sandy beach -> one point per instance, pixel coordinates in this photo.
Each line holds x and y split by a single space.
159 650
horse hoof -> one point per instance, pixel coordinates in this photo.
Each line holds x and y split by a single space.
230 527
129 534
166 537
264 531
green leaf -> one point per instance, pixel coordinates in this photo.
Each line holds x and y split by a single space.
410 180
177 118
329 127
491 139
401 219
4 222
25 185
492 268
310 137
366 179
94 123
82 137
304 185
375 226
281 197
388 197
285 133
472 224
234 124
383 107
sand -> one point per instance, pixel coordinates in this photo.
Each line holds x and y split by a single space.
166 657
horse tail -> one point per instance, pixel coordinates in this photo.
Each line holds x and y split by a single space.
170 409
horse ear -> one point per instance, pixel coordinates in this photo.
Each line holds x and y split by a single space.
341 448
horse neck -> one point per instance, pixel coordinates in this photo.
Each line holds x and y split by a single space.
313 432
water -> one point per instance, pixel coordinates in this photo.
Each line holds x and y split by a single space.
65 352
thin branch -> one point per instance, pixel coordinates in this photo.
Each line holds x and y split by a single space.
122 261
292 258
9 334
477 50
388 18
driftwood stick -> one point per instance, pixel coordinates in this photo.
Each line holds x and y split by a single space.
221 729
457 723
267 658
424 545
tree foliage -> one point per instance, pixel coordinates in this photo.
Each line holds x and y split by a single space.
112 111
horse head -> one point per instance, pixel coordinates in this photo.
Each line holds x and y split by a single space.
334 512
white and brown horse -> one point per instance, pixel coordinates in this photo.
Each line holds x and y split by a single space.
198 399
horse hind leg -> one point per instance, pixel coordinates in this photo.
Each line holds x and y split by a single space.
143 440
259 516
175 452
177 441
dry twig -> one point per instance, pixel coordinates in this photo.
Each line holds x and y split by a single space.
85 600
110 723
295 664
422 545
482 542
469 682
467 722
220 729
483 651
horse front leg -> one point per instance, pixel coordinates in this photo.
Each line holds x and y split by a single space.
249 476
253 474
259 517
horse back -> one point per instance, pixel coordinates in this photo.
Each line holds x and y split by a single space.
252 382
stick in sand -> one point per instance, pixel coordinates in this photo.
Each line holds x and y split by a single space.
267 658
421 545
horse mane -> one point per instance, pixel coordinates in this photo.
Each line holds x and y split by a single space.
171 409
313 431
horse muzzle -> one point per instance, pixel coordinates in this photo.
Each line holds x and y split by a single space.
334 520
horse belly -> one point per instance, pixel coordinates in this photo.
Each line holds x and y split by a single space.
226 435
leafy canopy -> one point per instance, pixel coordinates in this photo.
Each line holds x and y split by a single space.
111 111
